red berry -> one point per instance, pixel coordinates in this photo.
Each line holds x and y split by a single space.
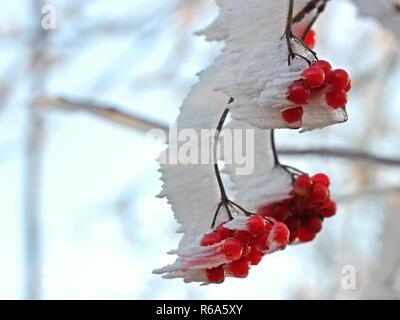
223 232
321 178
216 275
329 211
313 77
336 99
293 115
293 224
246 250
256 225
310 38
232 248
339 79
243 236
313 224
348 88
319 193
210 239
298 93
302 185
266 211
292 237
255 257
239 268
325 66
279 237
261 243
305 236
280 211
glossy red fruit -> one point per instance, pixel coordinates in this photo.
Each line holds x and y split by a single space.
319 193
246 250
216 275
243 236
339 79
293 115
321 178
266 211
348 87
261 243
293 223
239 268
313 77
325 66
223 232
256 225
336 99
313 224
279 236
302 185
292 237
255 257
298 93
305 236
210 239
310 39
329 211
232 248
280 212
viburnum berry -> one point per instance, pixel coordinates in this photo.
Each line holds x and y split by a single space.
348 87
210 239
310 38
313 224
256 225
216 275
232 248
223 232
305 236
293 115
339 79
321 178
323 65
280 235
336 99
319 193
329 211
246 250
255 256
298 93
261 243
239 268
313 77
243 236
302 185
293 223
280 211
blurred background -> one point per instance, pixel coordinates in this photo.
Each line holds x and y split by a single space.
78 213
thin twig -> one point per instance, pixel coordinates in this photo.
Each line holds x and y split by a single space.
342 153
103 110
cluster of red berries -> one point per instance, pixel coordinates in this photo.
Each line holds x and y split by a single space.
318 79
304 212
244 247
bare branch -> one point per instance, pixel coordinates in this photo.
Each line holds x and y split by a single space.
116 115
342 153
105 111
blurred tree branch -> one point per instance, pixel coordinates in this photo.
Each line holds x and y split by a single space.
114 114
102 110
